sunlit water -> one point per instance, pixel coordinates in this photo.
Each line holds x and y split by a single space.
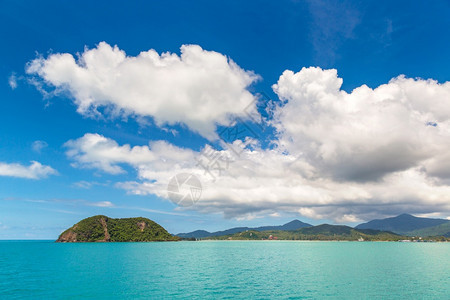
227 269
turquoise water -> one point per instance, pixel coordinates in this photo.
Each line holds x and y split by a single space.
225 270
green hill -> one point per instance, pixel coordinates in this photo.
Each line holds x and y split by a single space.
439 230
323 232
105 229
402 224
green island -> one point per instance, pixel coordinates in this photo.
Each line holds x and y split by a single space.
104 229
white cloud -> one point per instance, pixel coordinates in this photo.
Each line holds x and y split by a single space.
368 133
83 184
12 81
37 146
101 204
265 182
34 171
97 151
199 88
338 155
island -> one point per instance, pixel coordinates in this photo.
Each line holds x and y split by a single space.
104 229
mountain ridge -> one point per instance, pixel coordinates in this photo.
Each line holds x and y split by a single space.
292 225
439 230
401 224
323 232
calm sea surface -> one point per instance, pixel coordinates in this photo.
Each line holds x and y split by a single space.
225 270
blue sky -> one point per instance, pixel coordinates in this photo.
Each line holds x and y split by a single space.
368 43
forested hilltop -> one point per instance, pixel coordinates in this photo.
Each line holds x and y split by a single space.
104 229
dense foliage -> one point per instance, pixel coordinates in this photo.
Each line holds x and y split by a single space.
89 229
127 230
102 228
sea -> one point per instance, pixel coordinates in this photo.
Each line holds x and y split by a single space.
224 270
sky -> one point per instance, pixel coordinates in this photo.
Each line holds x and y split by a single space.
324 111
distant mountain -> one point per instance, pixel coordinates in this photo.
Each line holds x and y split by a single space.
439 230
105 229
321 232
402 224
195 234
293 225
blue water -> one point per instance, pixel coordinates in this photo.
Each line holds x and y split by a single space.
225 270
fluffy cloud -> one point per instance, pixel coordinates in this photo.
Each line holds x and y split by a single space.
262 181
199 88
368 133
34 171
97 151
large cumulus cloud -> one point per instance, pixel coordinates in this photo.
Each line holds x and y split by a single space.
262 182
368 133
198 89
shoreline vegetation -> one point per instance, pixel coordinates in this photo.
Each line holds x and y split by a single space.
326 232
104 229
404 227
353 236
